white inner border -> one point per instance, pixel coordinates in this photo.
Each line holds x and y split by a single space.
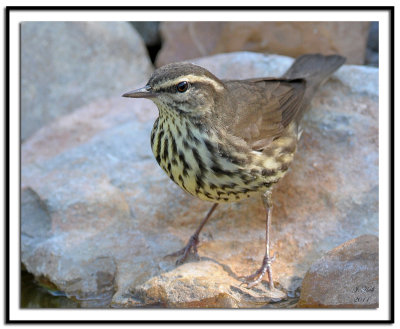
156 314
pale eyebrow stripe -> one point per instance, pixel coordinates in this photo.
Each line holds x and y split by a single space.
191 78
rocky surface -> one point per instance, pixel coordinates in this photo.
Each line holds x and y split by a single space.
346 277
65 65
99 215
187 40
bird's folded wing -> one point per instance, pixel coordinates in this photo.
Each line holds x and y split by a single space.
262 108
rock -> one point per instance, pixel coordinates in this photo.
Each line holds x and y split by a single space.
65 65
39 222
203 285
346 277
93 177
188 40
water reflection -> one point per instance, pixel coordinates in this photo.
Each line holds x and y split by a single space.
35 296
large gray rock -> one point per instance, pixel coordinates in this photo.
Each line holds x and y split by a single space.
109 214
65 65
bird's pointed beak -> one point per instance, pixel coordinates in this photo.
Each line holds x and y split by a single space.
144 92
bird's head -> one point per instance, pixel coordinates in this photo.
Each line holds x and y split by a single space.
182 88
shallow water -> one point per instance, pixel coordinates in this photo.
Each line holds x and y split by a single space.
35 296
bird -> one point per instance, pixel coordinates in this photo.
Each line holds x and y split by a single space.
227 140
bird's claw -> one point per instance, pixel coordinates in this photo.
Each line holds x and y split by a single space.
189 249
255 278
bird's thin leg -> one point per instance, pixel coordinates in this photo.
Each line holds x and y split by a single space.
256 277
191 246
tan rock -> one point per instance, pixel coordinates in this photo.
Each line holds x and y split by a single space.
203 284
346 277
188 40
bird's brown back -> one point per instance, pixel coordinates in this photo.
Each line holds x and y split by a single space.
262 109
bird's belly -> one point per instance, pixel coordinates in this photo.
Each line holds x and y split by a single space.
210 187
226 188
195 163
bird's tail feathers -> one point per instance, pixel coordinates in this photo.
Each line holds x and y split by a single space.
314 68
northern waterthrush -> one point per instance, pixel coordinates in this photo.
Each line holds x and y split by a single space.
226 140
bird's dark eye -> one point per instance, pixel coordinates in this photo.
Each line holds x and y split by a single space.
182 86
